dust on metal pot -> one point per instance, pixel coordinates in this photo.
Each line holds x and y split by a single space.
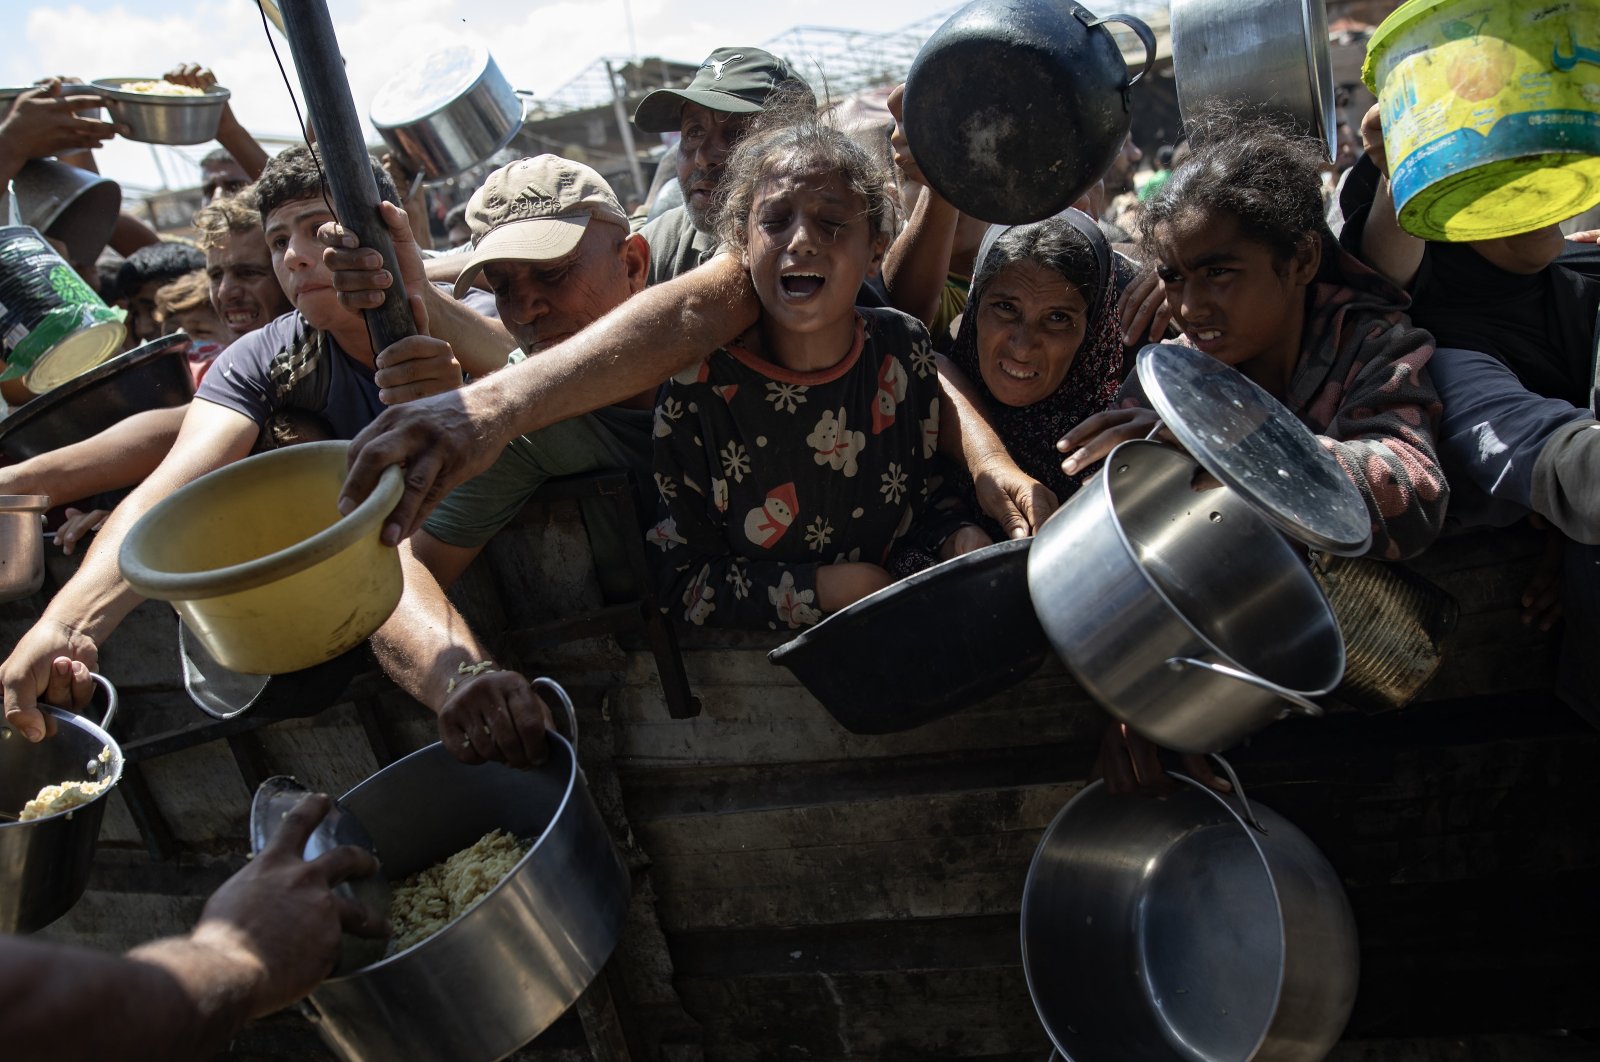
1015 108
449 113
44 863
1195 927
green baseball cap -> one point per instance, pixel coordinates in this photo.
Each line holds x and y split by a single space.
731 80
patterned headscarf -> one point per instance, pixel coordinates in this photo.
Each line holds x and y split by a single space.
1030 432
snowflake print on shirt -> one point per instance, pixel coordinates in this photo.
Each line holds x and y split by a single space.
894 484
785 397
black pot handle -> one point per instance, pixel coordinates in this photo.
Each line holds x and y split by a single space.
1139 28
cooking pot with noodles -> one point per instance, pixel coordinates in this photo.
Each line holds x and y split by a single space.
502 972
44 861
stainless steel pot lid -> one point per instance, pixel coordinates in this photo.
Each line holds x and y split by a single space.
430 86
1256 447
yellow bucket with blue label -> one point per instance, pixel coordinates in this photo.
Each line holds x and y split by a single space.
1491 113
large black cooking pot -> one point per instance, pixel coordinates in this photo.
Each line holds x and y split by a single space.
925 646
1015 108
154 376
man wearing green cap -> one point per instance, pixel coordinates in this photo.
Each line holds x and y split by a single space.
710 115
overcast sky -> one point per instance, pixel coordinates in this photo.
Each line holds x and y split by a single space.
539 44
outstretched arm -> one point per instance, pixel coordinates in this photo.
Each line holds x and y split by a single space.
444 440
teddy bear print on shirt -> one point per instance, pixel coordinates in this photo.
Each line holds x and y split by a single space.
835 444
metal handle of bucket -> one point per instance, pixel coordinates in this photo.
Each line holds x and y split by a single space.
554 688
1238 791
1302 704
1147 38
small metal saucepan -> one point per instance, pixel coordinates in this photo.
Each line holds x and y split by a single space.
451 112
1195 927
44 863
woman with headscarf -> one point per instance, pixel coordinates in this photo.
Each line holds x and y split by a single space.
1041 342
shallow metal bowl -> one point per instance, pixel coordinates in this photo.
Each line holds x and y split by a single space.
153 119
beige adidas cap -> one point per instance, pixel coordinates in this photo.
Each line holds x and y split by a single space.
535 210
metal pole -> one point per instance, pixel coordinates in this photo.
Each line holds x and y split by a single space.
626 128
345 161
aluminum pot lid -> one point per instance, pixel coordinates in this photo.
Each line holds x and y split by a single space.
430 85
1256 447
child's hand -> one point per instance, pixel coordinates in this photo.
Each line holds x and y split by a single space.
77 525
1142 309
1372 139
1098 435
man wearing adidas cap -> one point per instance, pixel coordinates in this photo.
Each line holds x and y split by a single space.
552 243
710 115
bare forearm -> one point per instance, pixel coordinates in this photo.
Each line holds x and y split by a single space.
1385 246
964 429
426 641
169 999
130 234
661 331
96 599
918 262
121 456
250 155
480 344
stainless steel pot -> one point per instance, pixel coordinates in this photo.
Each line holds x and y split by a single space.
1182 611
74 206
1195 927
503 972
153 119
450 113
44 863
21 545
1271 53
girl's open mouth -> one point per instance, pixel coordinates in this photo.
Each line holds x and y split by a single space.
800 285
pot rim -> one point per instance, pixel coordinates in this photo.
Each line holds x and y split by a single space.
1177 613
111 89
1237 820
24 503
115 765
258 571
44 404
574 774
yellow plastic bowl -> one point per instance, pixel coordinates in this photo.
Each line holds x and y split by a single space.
264 571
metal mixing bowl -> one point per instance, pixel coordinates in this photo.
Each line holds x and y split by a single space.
152 119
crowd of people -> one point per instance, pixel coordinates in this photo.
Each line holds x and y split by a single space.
823 375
